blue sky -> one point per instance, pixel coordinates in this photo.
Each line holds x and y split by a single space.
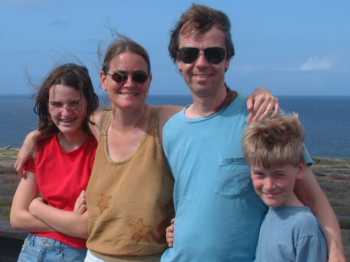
291 47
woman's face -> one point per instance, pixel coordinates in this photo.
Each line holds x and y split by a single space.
127 81
67 108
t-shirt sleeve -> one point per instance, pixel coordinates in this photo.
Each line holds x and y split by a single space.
312 248
29 166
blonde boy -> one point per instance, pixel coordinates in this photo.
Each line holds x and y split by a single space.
274 149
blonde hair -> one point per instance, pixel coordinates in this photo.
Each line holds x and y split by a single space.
275 141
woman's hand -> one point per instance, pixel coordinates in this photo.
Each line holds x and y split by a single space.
169 233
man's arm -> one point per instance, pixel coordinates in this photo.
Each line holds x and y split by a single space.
262 103
311 194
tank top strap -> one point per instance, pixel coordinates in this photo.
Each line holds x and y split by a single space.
105 122
154 122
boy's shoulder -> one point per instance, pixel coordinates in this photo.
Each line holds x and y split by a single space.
303 221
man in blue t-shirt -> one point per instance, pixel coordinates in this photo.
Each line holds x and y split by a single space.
274 149
218 214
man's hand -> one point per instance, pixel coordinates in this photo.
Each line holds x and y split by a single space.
169 233
262 103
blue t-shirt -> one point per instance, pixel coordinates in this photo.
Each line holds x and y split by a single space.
218 214
291 234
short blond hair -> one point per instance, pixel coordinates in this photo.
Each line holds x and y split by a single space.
275 141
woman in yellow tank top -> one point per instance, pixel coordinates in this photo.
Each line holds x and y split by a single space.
129 197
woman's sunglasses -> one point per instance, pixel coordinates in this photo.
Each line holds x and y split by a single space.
213 55
122 76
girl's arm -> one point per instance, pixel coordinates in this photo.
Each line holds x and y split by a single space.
20 217
311 194
72 223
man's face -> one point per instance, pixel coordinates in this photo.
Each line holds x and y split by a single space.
275 186
204 77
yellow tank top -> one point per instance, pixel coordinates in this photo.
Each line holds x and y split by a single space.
130 202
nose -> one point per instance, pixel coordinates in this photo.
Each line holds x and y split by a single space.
129 82
66 110
269 183
201 60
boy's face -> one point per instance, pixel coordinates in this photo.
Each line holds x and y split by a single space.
275 185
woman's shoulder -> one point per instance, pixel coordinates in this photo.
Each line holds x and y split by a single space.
164 112
97 120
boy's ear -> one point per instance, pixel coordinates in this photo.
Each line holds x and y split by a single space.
301 171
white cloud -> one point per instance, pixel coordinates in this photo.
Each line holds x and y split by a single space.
316 63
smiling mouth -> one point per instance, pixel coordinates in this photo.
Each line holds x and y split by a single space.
271 194
67 121
128 93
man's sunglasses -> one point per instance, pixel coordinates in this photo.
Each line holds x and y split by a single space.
122 76
213 55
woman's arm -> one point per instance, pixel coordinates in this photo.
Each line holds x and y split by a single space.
20 217
26 151
164 113
311 194
72 223
95 123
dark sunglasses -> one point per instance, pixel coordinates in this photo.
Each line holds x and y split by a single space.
213 55
122 76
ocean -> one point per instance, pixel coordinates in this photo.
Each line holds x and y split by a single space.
325 118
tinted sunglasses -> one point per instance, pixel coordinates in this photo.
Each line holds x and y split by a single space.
122 76
213 55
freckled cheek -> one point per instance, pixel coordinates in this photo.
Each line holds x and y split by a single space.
257 185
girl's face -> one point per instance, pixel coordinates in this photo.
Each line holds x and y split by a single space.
127 81
67 109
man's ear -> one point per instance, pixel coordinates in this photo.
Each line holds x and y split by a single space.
179 65
227 65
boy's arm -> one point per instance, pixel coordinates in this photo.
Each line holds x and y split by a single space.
20 217
311 194
26 151
311 248
72 223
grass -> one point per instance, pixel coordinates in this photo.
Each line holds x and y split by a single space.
9 153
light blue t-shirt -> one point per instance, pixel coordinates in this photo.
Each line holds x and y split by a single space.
291 234
218 214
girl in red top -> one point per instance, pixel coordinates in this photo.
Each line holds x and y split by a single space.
49 201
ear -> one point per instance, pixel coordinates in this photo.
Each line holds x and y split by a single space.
227 65
179 66
300 171
149 82
103 80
